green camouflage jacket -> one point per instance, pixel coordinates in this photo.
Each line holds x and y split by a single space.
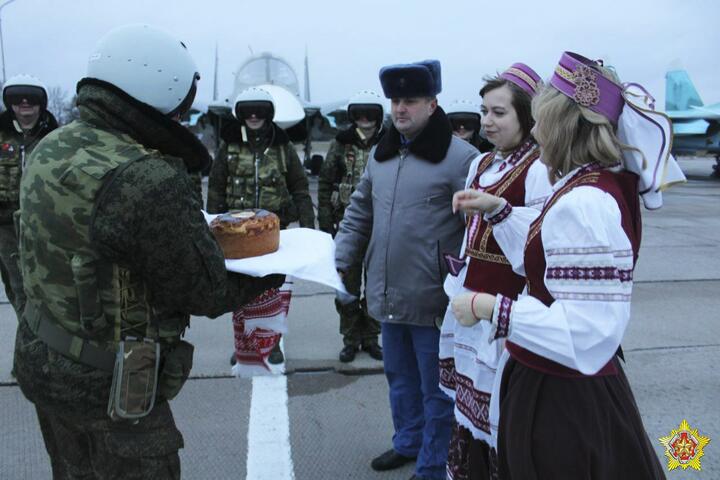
263 172
341 170
15 146
110 222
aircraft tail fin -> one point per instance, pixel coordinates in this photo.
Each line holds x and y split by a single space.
680 93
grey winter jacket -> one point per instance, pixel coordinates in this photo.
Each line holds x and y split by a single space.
400 218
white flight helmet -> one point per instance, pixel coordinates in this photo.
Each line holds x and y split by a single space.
254 94
24 81
367 97
147 63
463 106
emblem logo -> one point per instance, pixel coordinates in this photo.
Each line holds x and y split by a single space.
684 447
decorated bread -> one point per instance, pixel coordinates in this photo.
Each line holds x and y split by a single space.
247 233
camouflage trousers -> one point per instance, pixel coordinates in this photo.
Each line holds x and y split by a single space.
104 449
83 443
10 269
356 326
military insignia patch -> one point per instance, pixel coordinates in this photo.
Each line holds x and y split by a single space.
684 447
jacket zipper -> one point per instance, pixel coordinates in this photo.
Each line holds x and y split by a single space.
257 181
403 154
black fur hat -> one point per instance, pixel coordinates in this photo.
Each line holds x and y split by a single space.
419 79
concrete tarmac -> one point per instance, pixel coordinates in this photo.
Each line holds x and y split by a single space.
338 413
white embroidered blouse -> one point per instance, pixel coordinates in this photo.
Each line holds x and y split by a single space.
581 235
474 358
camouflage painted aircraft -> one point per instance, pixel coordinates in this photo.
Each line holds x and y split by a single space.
696 127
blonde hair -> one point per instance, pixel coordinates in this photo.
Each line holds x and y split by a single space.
571 135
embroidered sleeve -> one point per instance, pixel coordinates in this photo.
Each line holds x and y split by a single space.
537 185
510 228
589 264
499 214
501 318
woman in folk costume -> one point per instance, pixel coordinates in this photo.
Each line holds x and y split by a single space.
467 357
564 405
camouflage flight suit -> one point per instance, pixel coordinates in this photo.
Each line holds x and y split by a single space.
15 147
113 244
260 169
264 172
341 170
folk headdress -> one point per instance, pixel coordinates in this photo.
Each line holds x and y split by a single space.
632 109
524 77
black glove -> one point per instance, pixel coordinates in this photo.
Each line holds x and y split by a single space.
274 280
243 289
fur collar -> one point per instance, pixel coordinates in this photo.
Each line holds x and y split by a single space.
232 133
106 106
431 144
350 137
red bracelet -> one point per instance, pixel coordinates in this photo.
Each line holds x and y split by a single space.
472 305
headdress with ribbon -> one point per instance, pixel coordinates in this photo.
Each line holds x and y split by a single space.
632 109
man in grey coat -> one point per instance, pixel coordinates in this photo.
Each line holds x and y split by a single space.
400 219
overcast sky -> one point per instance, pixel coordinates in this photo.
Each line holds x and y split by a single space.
349 41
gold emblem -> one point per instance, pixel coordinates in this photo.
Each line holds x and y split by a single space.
684 447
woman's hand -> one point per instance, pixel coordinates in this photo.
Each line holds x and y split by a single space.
473 201
469 307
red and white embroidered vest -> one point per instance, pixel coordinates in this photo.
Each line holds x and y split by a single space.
488 269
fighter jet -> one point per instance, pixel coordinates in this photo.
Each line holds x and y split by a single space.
302 120
696 127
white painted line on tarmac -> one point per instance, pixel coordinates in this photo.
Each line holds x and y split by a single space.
269 455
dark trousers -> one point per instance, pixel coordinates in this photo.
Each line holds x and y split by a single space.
70 399
9 268
422 414
356 326
104 449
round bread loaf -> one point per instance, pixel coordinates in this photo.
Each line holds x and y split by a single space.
247 233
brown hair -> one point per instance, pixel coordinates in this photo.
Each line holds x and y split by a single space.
521 102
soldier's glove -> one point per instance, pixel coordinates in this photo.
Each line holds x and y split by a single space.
273 281
328 229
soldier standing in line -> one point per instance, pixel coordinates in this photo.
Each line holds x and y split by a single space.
341 171
465 119
257 167
25 122
116 255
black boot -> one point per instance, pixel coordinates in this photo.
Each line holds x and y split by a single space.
276 355
347 354
233 360
374 350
